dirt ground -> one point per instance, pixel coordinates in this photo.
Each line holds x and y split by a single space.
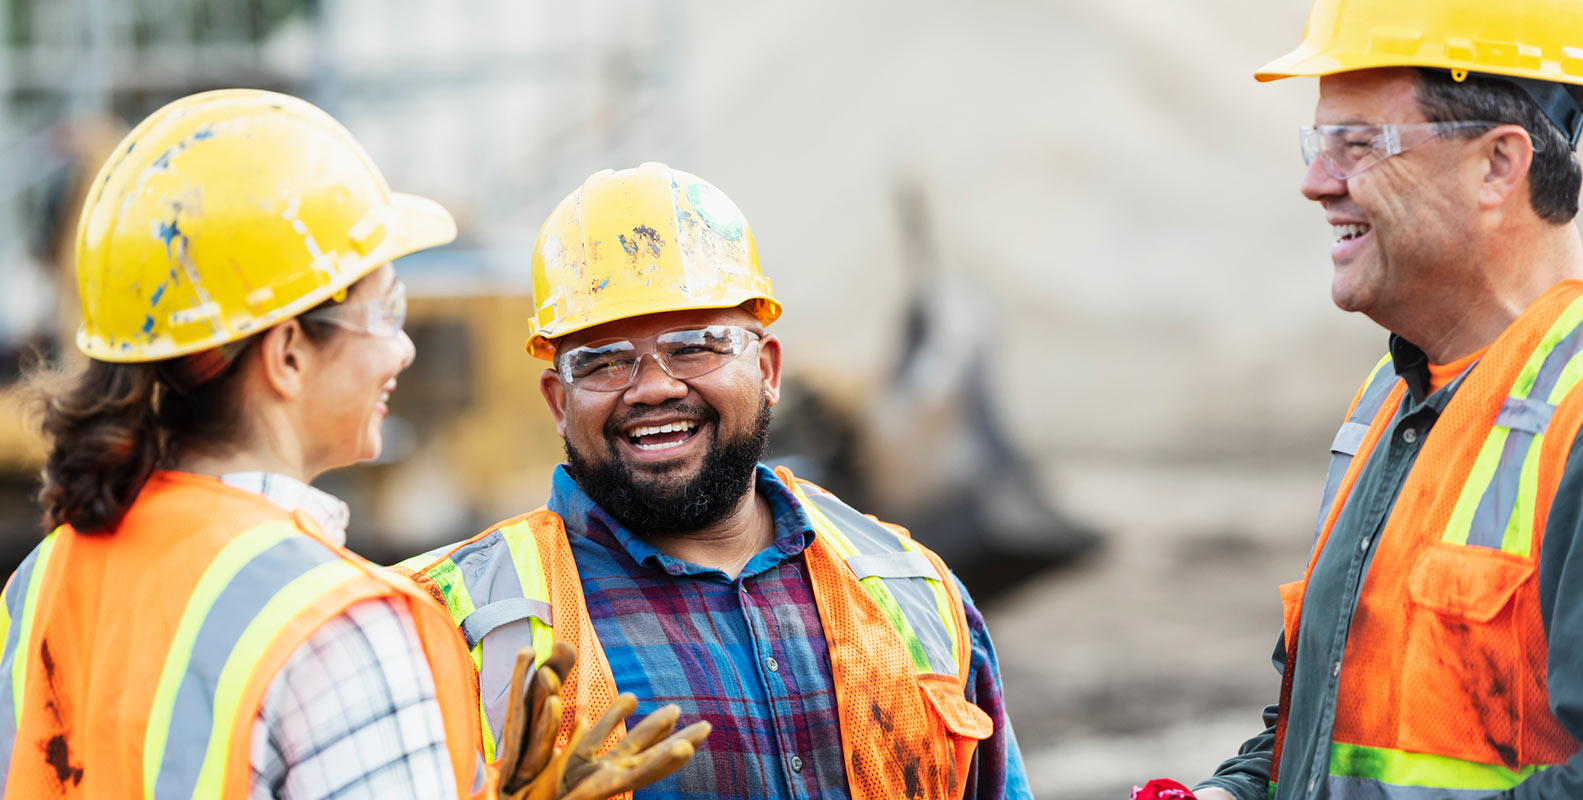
1153 659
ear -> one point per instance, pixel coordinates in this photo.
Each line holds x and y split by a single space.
284 356
1508 153
770 368
555 397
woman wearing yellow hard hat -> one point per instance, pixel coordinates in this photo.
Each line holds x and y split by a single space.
193 624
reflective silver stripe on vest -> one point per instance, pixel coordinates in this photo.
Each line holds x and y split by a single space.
893 565
1526 417
15 593
489 574
913 593
1350 437
485 620
1369 789
192 715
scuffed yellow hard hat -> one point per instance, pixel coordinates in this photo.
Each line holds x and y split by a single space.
642 241
226 212
1534 39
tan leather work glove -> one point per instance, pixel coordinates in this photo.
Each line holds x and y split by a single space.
531 768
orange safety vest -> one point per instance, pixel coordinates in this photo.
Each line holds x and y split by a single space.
1443 682
135 661
899 655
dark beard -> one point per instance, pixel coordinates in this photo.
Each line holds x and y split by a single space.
670 508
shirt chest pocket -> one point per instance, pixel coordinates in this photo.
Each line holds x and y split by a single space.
1464 670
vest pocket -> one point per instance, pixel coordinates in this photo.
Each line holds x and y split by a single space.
1474 583
960 716
958 727
1462 665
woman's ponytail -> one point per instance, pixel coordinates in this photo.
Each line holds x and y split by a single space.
104 441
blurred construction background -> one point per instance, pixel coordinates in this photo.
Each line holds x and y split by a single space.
1053 299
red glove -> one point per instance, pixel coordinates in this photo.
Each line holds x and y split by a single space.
1162 789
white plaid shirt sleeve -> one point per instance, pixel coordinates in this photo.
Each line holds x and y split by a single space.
353 714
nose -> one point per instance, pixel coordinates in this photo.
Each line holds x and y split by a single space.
409 351
653 385
1319 184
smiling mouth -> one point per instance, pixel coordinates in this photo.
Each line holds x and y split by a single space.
1346 233
662 437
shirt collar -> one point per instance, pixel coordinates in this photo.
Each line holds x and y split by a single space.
584 518
326 509
1412 365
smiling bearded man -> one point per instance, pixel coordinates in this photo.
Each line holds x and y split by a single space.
833 656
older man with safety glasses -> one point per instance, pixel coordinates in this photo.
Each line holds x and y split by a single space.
1434 646
831 654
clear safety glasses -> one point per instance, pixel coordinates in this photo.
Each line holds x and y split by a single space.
611 365
380 316
1346 150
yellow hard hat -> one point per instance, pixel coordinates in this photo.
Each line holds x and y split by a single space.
1536 39
226 212
642 241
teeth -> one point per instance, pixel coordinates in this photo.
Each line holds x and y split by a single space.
658 446
1350 231
670 427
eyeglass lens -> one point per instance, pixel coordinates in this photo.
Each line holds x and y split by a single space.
683 354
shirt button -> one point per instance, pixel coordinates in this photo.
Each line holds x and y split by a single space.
1312 782
775 666
1410 435
1335 668
1364 545
796 762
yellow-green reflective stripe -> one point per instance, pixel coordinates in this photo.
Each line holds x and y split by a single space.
302 592
1373 373
5 618
942 599
459 602
874 585
1422 769
215 578
19 667
1483 471
1489 457
524 547
1519 536
416 563
1569 319
1570 374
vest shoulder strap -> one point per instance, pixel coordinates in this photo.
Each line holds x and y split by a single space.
909 583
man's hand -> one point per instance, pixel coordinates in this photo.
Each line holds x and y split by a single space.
532 769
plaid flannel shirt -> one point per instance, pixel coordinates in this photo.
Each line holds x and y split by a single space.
748 654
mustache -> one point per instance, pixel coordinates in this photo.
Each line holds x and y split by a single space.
616 426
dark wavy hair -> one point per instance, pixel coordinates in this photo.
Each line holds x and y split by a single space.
109 426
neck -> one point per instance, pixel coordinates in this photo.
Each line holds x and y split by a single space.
1509 278
271 447
728 544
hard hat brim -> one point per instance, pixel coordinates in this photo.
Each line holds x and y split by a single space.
541 344
419 224
1307 63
